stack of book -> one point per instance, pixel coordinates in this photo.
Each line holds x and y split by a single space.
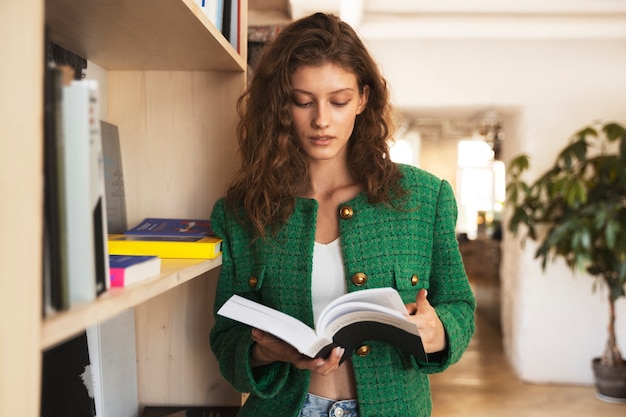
168 238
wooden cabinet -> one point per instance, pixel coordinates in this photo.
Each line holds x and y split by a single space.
172 81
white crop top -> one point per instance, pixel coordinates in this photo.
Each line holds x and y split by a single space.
328 277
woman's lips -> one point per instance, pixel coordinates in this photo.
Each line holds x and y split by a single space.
321 139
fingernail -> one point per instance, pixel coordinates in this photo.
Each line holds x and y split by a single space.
339 352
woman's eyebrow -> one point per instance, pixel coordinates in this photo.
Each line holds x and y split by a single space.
341 90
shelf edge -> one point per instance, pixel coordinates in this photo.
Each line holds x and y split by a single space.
174 272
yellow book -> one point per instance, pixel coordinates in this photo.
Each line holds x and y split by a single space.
207 247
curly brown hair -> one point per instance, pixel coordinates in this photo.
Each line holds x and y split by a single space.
274 170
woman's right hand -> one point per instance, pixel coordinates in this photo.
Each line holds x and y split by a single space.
268 348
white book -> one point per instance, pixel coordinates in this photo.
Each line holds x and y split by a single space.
127 270
113 178
98 192
112 348
76 176
211 10
234 25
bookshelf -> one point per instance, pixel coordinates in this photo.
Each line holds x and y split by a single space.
174 272
172 82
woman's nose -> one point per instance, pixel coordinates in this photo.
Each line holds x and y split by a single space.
321 119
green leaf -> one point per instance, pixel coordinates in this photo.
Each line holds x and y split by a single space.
580 150
586 131
614 131
611 231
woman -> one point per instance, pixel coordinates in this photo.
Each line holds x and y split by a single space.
318 210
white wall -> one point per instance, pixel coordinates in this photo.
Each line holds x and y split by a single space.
553 324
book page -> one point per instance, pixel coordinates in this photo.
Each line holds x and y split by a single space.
387 297
343 314
281 325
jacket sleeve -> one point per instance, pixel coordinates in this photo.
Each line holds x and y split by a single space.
231 341
449 293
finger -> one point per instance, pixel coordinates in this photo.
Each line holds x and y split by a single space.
256 334
331 363
304 362
411 308
421 302
259 335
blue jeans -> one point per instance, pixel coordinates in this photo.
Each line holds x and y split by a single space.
316 406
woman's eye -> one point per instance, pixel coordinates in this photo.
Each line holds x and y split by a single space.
303 104
340 104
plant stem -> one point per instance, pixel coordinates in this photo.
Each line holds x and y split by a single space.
612 355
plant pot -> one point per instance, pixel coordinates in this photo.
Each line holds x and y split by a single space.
610 382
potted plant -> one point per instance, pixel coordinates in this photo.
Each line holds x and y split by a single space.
576 211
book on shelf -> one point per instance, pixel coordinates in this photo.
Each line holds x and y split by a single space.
348 321
98 192
171 227
130 269
76 175
112 354
213 9
235 19
230 22
55 286
113 178
203 247
67 379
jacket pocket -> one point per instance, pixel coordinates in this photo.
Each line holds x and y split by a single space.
410 279
249 280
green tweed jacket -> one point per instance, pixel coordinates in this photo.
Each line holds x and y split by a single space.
407 249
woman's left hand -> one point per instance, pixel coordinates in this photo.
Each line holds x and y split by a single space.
425 317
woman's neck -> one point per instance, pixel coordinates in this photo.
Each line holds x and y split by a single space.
328 179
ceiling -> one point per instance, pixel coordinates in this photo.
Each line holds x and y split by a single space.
402 19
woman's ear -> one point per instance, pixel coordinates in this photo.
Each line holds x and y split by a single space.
363 97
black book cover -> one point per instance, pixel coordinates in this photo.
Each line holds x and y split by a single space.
66 376
226 16
101 258
55 291
356 334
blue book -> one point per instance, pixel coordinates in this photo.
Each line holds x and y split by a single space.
160 227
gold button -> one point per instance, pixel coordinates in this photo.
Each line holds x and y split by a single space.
346 212
359 279
253 281
363 350
414 280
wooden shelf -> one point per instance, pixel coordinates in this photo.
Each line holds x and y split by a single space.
174 272
170 83
142 35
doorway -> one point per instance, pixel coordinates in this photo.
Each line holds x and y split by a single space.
465 146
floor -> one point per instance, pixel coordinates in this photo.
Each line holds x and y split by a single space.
482 384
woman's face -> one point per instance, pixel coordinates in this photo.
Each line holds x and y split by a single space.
325 103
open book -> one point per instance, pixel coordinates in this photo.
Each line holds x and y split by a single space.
350 320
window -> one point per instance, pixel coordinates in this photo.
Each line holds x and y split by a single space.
480 188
